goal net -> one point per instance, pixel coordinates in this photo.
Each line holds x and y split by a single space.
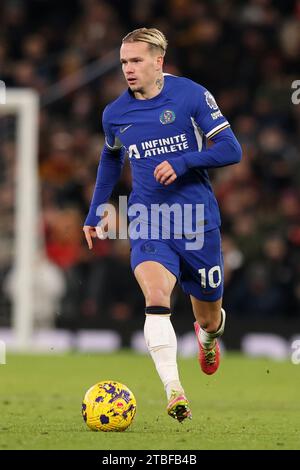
19 110
31 286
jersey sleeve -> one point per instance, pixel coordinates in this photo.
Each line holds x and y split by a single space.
109 171
206 112
111 141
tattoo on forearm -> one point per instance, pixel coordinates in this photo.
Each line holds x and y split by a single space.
159 83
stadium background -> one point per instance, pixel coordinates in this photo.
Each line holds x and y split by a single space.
247 54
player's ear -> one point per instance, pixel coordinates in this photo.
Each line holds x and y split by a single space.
159 62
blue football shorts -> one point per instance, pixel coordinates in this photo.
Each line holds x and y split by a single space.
199 272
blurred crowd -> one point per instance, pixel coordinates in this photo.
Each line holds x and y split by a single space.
247 53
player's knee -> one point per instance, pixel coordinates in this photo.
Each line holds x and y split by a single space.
157 296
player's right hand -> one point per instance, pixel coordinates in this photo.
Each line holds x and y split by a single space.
89 233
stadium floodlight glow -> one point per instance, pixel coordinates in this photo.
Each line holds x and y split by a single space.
24 103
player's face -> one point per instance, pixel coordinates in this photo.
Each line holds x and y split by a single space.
141 65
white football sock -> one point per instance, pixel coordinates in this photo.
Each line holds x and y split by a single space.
162 344
207 339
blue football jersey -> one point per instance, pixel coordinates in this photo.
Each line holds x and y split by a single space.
176 121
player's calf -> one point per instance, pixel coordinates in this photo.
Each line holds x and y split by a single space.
209 350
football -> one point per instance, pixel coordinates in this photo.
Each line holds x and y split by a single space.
108 406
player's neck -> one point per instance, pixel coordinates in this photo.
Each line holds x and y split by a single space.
152 91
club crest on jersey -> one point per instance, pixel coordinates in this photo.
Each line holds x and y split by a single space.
167 117
210 100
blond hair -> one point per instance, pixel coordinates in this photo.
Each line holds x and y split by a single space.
155 38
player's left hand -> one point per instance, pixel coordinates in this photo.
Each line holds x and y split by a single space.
164 173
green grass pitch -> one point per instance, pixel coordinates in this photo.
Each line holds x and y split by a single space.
247 404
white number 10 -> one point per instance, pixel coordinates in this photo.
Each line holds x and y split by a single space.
211 281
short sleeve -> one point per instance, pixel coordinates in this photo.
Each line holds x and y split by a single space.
206 112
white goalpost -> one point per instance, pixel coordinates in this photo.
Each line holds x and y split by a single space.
24 104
